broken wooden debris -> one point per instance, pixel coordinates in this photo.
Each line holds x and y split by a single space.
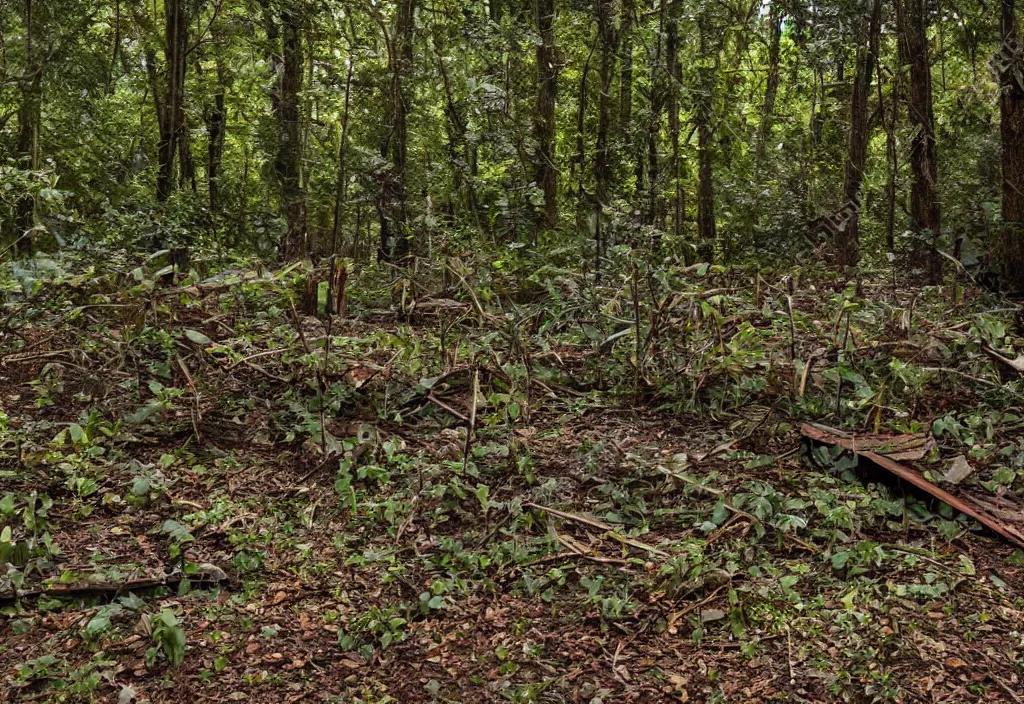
1009 523
205 574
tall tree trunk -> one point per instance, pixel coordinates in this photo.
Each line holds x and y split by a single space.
771 88
170 107
546 173
848 233
1011 112
657 93
674 78
579 159
341 185
890 118
395 235
29 121
924 204
288 165
626 81
608 38
216 121
187 171
707 229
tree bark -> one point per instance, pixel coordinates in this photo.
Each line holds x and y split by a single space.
772 83
341 185
674 78
29 121
216 129
608 39
847 237
395 236
657 93
170 107
1011 112
288 165
628 143
546 174
924 204
890 118
707 229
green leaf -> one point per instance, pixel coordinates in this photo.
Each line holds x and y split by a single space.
140 486
144 413
198 337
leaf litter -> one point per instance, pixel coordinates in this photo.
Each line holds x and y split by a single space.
437 511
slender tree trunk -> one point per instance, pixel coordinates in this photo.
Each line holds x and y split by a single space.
674 78
544 127
772 83
848 233
187 175
1011 112
215 127
170 106
707 229
288 165
608 38
657 93
890 118
924 203
395 235
628 140
579 159
29 121
341 185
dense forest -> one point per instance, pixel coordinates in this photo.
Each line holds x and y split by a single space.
552 351
685 131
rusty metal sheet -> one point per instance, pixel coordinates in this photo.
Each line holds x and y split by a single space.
992 512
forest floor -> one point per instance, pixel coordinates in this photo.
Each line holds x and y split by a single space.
626 522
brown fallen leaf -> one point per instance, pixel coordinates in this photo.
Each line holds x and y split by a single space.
351 663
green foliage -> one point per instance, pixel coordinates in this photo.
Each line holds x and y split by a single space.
168 638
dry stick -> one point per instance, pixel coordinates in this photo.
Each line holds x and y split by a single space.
472 294
803 377
322 384
638 362
599 525
789 658
441 404
697 604
196 417
842 353
264 353
792 330
976 379
572 553
472 422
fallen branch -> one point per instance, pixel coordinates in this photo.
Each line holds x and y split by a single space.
599 525
206 574
968 505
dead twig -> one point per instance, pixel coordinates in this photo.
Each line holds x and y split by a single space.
599 525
